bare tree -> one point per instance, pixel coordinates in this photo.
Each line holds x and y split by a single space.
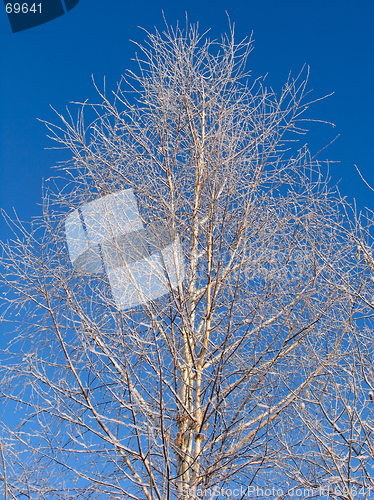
249 373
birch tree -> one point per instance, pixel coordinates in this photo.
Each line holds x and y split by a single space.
251 373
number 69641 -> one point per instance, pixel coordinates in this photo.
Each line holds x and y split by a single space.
23 8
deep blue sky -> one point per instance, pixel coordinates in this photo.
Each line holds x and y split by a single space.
53 63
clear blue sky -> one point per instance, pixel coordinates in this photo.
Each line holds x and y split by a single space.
53 63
